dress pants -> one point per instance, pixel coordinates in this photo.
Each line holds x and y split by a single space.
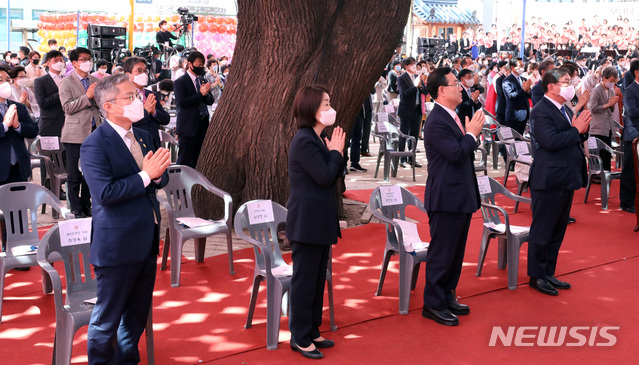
501 118
627 189
189 147
79 199
307 291
124 296
366 132
519 126
550 213
445 256
410 125
356 139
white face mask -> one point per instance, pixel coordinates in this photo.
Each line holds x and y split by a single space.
141 79
86 66
15 61
21 82
102 71
133 111
469 83
327 117
575 81
5 90
59 66
412 68
609 85
54 47
567 92
472 68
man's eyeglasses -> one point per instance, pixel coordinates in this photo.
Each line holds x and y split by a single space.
138 95
458 84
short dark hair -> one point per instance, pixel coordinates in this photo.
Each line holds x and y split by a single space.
408 61
4 55
25 50
161 23
608 72
52 41
581 57
101 62
166 85
552 77
502 64
463 73
224 68
5 69
33 53
211 61
74 54
395 63
514 62
307 101
54 54
437 79
571 67
13 73
634 66
545 65
194 56
131 62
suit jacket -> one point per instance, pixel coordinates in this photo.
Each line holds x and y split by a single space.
631 112
500 107
152 123
409 93
451 185
79 110
558 156
15 139
602 123
467 106
188 102
123 209
51 113
536 93
313 171
516 99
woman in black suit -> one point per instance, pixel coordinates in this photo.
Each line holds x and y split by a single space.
314 165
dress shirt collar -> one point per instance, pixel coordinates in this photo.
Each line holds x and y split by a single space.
80 77
120 131
636 81
554 102
451 112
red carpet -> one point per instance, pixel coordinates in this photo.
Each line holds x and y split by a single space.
204 318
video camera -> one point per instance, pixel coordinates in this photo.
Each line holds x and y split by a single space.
186 18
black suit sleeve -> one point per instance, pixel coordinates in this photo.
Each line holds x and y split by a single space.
183 98
43 100
324 172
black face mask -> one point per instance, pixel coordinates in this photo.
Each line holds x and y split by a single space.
198 70
35 61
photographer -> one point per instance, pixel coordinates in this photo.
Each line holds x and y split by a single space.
163 37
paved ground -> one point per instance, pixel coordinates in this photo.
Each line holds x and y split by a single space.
216 245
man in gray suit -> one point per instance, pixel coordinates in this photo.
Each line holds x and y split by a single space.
81 116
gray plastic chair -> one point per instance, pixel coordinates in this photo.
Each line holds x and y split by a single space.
482 165
509 237
55 167
263 237
178 204
388 144
595 168
171 143
19 203
72 313
515 157
408 262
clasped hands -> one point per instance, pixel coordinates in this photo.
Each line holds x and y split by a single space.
154 164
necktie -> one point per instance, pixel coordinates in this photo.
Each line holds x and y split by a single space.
136 150
461 128
204 112
85 83
563 110
13 158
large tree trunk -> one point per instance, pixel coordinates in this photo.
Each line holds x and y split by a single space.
280 49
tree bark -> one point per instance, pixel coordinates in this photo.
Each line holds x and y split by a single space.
279 50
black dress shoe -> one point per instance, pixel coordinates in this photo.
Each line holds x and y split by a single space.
366 154
315 354
543 286
324 344
444 316
402 164
87 211
78 214
458 309
629 209
571 220
357 168
556 283
416 164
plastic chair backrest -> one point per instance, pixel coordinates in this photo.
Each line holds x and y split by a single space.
179 188
504 133
19 202
393 211
263 236
601 145
54 159
490 215
77 268
167 138
386 136
516 152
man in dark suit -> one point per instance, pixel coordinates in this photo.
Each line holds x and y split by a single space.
558 169
464 44
500 107
536 93
583 70
154 113
516 92
47 94
123 171
451 195
411 87
15 163
470 96
627 189
192 95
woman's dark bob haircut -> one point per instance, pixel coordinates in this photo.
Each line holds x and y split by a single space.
307 102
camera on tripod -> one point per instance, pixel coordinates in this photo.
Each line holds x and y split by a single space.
186 18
